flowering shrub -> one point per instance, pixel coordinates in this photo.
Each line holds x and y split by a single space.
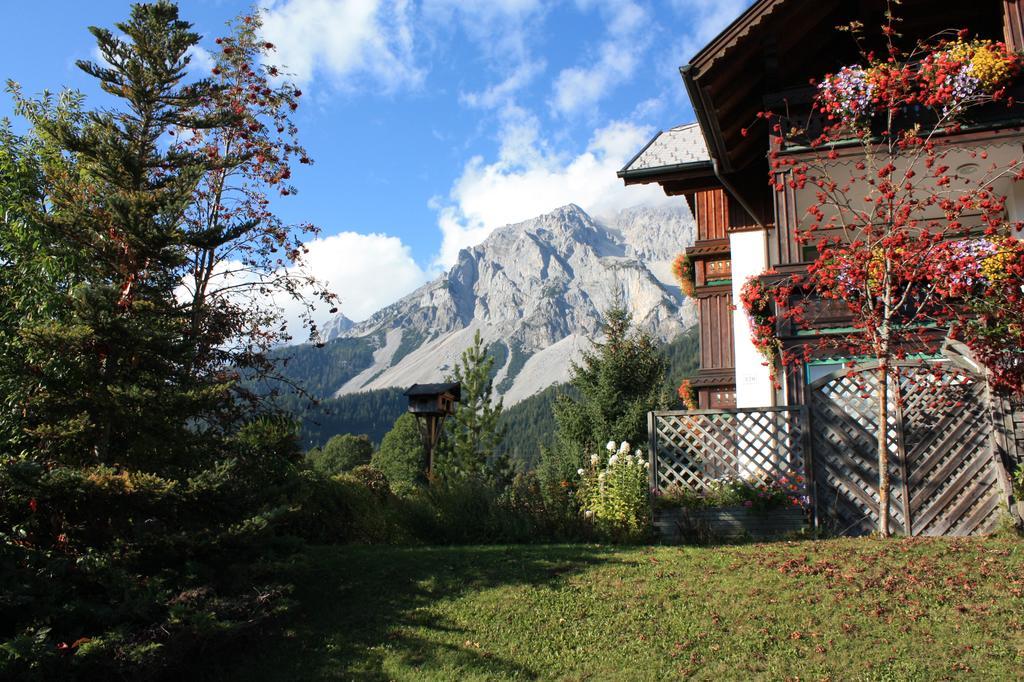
613 493
846 95
688 395
950 78
756 301
682 268
761 495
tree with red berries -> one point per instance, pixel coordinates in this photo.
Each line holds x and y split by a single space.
243 259
908 227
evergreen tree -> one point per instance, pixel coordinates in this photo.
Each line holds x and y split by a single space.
473 433
128 477
616 385
108 376
401 456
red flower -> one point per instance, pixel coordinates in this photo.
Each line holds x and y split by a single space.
33 505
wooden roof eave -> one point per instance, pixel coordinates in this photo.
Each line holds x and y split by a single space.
675 180
734 33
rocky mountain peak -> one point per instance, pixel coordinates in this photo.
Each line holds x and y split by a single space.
537 291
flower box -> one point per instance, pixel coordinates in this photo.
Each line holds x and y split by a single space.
680 524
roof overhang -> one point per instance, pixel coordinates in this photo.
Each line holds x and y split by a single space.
676 179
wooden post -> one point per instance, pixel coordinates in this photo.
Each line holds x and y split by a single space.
652 453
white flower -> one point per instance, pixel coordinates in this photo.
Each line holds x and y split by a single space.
647 465
589 514
639 452
624 448
579 471
610 447
614 459
594 459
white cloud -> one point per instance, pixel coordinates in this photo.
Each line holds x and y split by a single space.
366 271
581 87
528 180
501 29
349 41
201 62
706 19
502 93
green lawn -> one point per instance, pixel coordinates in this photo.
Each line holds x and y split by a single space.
838 609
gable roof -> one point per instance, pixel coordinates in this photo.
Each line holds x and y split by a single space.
454 388
673 149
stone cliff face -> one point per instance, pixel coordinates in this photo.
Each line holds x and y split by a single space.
536 290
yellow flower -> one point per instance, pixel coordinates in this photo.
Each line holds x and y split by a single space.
988 63
993 268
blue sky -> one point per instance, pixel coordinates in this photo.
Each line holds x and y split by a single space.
432 122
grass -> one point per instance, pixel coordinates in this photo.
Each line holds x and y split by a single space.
838 609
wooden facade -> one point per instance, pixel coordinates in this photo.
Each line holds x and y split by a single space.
765 59
950 456
716 380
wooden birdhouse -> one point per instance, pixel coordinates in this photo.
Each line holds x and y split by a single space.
431 403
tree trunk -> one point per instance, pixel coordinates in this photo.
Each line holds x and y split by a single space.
883 450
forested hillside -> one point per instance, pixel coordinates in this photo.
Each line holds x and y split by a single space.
371 413
321 370
529 424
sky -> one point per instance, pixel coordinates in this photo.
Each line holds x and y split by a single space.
431 122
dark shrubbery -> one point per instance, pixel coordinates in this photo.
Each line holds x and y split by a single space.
341 453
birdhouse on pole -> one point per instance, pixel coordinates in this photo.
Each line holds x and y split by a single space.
431 403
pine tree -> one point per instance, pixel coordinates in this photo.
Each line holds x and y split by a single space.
111 365
616 384
124 453
473 433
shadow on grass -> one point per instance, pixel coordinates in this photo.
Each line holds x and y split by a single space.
361 609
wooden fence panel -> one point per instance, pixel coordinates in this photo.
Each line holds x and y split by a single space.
692 449
946 477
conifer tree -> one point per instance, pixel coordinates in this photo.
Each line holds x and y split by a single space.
617 384
128 474
110 366
473 433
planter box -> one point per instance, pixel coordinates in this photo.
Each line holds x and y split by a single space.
726 523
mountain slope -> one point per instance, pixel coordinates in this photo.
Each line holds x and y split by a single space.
536 290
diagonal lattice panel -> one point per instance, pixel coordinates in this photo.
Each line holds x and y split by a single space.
693 449
844 414
944 475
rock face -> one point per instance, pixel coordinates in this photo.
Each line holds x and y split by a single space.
536 290
337 327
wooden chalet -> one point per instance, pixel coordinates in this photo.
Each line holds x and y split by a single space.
949 467
765 59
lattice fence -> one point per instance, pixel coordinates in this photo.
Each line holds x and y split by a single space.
945 477
694 448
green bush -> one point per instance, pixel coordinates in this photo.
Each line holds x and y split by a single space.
348 508
374 480
614 494
341 453
401 457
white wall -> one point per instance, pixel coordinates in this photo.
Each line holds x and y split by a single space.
753 380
